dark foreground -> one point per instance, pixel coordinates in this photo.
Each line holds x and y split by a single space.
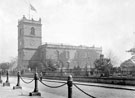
46 92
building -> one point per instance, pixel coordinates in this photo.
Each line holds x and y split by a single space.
32 51
129 65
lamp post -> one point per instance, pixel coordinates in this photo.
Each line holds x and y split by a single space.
7 81
0 76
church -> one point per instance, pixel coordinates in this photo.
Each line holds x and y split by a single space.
31 50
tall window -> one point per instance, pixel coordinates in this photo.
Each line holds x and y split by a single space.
20 32
67 54
57 54
32 31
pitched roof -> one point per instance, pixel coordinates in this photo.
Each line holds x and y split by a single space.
131 50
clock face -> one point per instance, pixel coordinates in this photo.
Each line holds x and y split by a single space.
32 42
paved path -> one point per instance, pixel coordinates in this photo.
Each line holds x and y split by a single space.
8 92
97 91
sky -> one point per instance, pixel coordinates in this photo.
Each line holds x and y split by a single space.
109 24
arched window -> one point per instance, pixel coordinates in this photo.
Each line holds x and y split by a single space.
58 54
67 54
32 31
20 32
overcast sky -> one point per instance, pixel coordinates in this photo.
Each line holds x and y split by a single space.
103 23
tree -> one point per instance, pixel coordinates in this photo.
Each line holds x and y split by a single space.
32 65
113 57
103 65
4 66
48 65
51 65
36 65
13 63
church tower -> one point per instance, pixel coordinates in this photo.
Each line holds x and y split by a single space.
29 39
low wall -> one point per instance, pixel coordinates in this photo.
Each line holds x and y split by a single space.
106 80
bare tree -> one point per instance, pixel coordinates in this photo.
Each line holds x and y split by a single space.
111 55
13 63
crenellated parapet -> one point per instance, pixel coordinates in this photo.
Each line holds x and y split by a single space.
71 47
29 21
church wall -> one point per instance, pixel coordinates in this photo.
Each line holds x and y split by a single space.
51 53
75 57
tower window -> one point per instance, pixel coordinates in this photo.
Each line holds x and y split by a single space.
20 32
32 31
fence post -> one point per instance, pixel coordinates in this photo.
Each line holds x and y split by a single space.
18 81
69 84
0 77
35 92
7 81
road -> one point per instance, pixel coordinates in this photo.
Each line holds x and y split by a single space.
61 92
